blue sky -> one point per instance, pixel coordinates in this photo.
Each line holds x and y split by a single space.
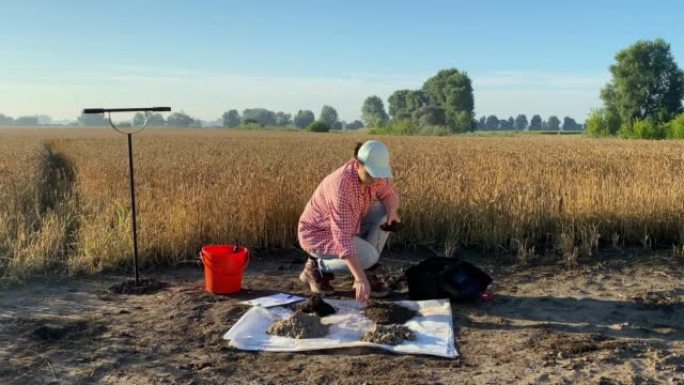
205 57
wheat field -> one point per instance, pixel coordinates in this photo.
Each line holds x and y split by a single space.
64 200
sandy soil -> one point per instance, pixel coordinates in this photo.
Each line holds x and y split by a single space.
617 320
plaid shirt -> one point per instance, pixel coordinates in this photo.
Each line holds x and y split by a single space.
335 211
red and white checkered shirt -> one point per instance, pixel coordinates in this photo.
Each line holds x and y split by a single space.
335 211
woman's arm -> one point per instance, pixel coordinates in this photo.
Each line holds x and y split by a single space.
361 283
391 204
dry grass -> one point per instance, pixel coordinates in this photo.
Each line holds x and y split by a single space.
529 195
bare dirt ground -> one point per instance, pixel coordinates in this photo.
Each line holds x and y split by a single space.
618 319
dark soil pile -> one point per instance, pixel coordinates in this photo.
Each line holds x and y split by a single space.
144 286
299 325
386 313
388 334
315 304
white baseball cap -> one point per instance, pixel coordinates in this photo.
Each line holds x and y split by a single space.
375 158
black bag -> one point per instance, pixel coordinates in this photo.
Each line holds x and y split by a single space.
439 277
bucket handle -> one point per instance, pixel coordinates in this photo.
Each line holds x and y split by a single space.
244 265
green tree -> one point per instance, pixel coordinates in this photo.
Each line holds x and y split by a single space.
231 119
536 123
482 123
647 84
553 123
570 124
26 121
260 115
430 116
521 122
153 119
355 125
303 118
373 112
328 116
93 120
156 120
180 119
403 103
283 119
507 124
196 123
452 90
138 119
318 126
6 120
492 122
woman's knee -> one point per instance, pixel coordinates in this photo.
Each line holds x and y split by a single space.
368 255
377 214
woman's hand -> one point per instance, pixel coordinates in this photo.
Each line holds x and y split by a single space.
361 284
363 290
392 217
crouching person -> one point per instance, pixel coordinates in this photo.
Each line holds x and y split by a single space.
341 227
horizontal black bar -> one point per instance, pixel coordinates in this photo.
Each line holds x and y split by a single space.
103 110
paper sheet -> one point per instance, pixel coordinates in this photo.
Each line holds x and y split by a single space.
273 300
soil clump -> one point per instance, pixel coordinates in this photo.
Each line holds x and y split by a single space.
388 334
299 325
316 304
386 313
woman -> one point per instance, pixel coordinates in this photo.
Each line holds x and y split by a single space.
341 227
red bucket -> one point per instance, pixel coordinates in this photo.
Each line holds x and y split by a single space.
223 267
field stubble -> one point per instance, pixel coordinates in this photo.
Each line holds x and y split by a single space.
65 200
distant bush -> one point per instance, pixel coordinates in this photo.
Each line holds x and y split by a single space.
251 125
675 128
434 131
596 125
643 129
409 127
318 126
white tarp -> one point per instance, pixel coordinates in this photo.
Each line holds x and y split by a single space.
432 327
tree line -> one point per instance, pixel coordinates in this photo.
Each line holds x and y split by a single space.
20 121
250 118
493 123
304 119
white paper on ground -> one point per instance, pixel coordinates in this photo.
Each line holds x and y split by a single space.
273 300
433 329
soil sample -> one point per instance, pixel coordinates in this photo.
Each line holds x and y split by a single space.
315 304
299 325
388 334
386 313
392 227
144 286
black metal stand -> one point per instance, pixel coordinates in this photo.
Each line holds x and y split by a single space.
135 227
130 165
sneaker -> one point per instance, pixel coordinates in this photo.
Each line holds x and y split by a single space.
378 287
319 283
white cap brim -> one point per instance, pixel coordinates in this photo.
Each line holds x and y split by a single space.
379 172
